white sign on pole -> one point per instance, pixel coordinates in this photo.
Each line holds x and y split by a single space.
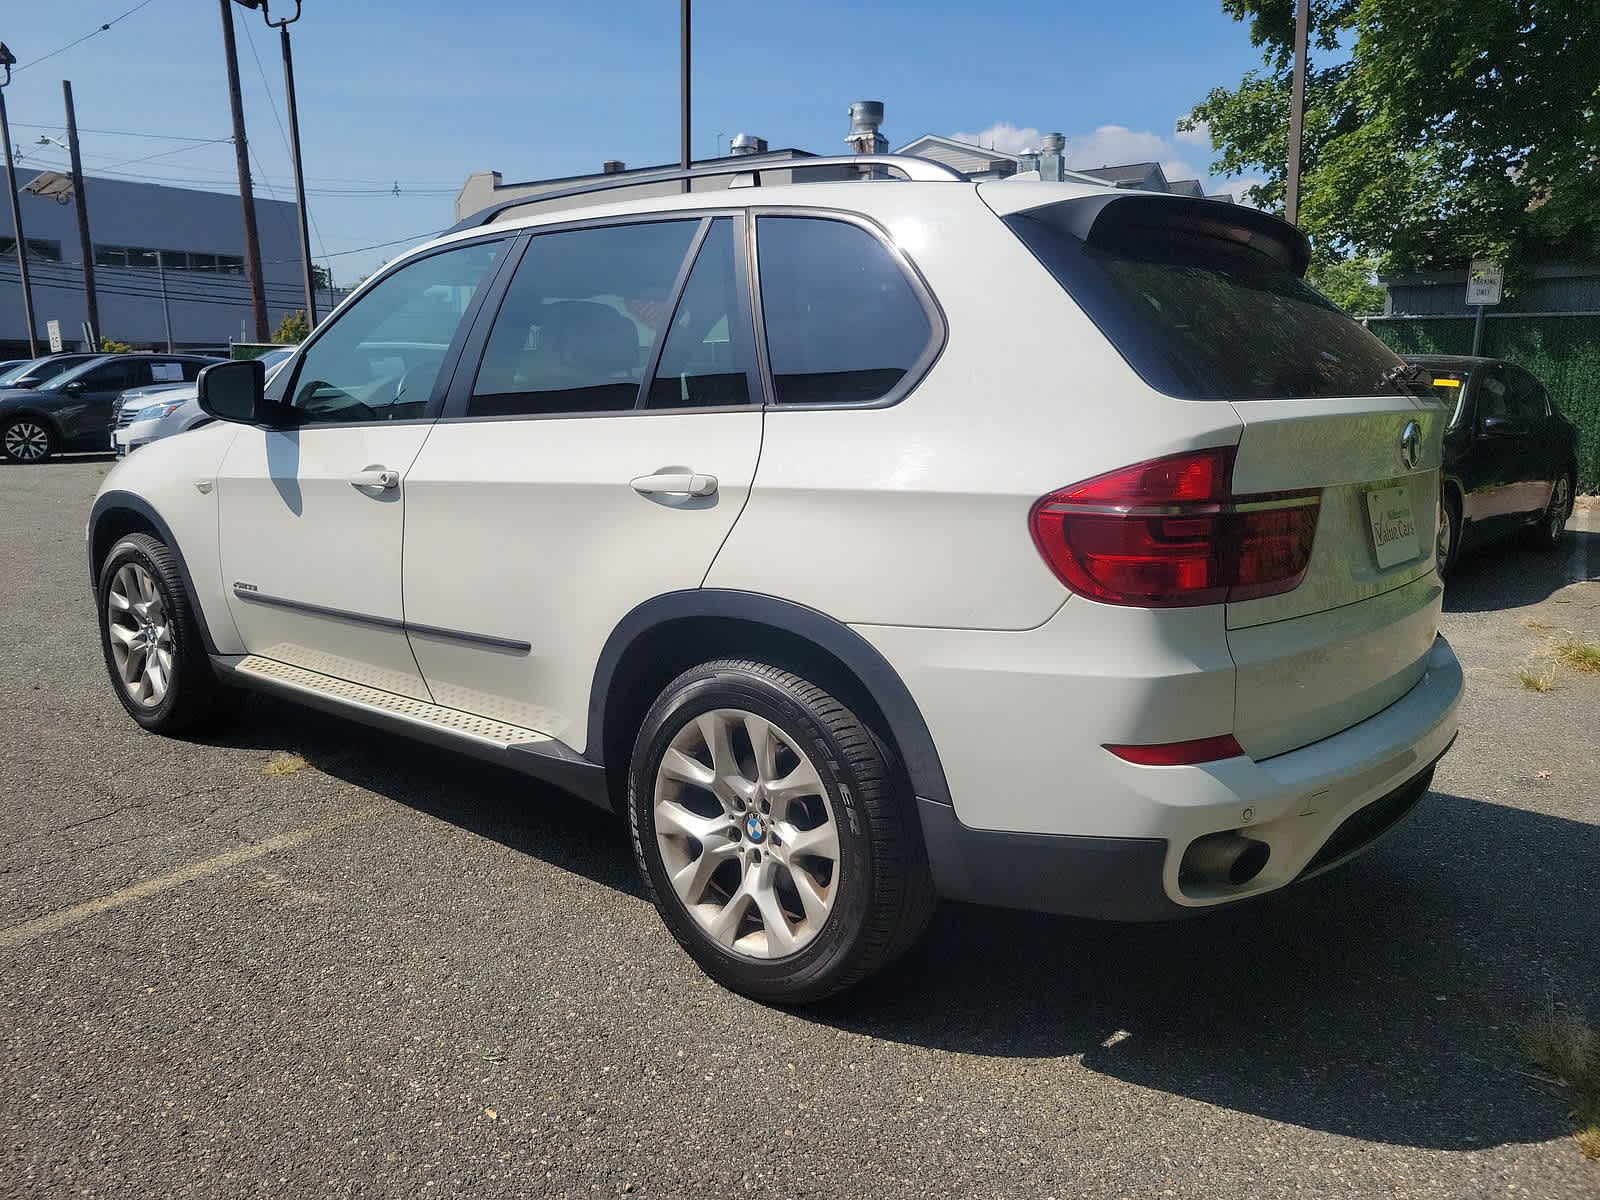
1484 282
53 328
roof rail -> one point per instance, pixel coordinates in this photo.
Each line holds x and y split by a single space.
921 170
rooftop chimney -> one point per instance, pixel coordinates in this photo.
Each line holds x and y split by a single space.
613 166
864 138
1053 158
747 143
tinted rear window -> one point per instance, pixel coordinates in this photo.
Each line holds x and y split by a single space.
1202 317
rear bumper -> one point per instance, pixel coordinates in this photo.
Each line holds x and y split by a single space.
1315 807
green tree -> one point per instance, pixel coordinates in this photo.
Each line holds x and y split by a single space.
112 346
319 277
1350 283
1435 130
293 329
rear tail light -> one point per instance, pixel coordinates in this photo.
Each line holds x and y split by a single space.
1170 533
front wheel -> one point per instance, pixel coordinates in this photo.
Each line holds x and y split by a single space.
27 440
151 641
772 833
1553 524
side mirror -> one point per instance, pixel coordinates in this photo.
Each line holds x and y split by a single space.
75 388
234 391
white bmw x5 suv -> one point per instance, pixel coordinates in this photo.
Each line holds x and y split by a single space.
862 542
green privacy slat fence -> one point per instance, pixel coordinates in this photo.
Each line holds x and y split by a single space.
1563 351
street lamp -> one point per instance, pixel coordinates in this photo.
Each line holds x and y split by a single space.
7 61
282 24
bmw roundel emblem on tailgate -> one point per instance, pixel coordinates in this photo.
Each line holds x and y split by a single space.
1410 444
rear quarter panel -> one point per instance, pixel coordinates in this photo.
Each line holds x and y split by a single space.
917 514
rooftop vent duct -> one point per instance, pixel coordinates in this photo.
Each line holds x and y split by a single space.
864 137
747 143
613 166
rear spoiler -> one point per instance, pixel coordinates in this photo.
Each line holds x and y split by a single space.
1102 216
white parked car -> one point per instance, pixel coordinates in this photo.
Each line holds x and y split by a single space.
861 542
142 415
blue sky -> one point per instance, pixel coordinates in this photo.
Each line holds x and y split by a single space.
421 94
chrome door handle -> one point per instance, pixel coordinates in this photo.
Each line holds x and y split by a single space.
381 478
674 483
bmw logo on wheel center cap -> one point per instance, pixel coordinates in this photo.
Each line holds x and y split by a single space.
755 827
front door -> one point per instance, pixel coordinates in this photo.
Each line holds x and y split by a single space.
311 516
597 457
85 415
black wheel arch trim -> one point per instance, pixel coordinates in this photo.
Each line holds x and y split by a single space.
881 681
112 501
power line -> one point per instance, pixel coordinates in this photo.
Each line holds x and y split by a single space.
84 38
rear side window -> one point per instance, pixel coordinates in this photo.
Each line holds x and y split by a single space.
844 324
704 358
578 323
1526 400
1202 315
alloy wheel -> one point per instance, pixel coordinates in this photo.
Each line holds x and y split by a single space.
141 636
1444 537
27 441
1560 508
746 833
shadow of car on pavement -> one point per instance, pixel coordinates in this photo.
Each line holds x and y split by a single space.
1511 575
1375 1002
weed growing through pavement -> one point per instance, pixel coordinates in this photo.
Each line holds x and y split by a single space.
283 763
1537 681
1580 656
1562 1045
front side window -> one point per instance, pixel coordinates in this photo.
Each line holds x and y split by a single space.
380 360
844 324
579 320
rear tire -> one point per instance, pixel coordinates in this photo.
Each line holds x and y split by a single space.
152 645
27 440
773 834
1552 526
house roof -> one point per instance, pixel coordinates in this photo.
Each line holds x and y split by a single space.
912 147
1127 173
1186 187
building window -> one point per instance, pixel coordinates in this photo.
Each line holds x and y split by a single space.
39 248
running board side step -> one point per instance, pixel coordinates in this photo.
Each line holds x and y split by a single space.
526 750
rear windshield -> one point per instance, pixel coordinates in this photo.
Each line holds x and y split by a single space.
1203 317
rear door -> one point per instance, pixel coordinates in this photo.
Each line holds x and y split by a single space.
1538 454
598 444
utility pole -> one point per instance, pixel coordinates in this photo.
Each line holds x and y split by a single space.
1297 108
91 303
247 200
6 60
282 25
166 309
683 87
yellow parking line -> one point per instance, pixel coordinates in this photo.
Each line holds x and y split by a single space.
16 935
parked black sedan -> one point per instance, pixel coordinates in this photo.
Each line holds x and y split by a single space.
1510 458
31 372
73 410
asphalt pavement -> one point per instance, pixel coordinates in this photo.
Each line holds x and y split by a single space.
378 969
